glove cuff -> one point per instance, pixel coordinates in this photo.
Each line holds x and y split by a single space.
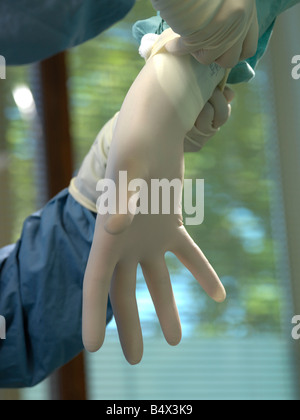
83 186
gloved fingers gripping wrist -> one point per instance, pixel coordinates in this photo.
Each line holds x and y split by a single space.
210 29
215 114
251 41
221 109
202 131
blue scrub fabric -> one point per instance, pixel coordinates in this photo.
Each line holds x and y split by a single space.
32 30
41 292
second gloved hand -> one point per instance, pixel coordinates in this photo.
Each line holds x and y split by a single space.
215 113
224 31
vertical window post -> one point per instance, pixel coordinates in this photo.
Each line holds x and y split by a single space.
69 382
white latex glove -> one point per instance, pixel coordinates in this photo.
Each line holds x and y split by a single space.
161 107
84 186
215 113
224 31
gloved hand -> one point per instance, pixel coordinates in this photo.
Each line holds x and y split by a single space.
84 189
161 107
224 31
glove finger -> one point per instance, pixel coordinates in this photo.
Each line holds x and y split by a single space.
96 282
229 94
123 299
157 277
221 109
195 261
251 41
231 57
205 120
205 56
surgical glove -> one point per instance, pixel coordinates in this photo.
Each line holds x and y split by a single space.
215 113
83 187
224 31
159 110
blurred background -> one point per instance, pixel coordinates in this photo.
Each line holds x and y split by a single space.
242 349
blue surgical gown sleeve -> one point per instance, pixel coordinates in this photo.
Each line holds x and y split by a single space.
32 30
41 280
